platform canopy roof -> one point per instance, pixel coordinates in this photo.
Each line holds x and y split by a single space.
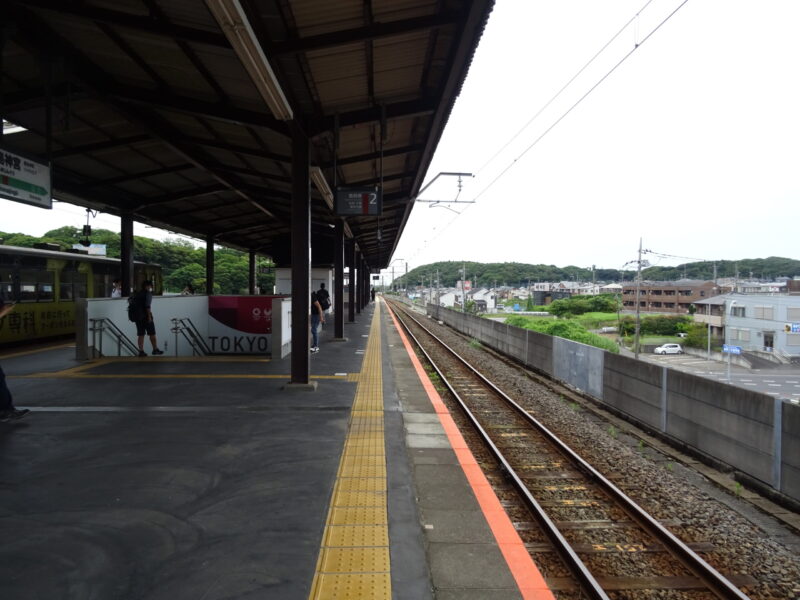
154 112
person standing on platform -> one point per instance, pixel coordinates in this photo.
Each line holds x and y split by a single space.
116 288
372 293
317 317
144 318
7 410
324 297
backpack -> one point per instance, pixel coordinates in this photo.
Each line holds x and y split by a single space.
135 311
324 299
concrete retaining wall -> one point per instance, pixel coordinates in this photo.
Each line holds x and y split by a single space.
754 433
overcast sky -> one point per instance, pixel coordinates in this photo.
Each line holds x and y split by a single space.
692 143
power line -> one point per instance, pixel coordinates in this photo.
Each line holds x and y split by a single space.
581 99
564 115
663 255
565 86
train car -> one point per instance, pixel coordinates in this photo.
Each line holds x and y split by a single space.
46 283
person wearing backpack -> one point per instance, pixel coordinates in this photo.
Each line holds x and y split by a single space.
140 313
317 317
323 297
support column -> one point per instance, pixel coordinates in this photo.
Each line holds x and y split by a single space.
365 287
126 255
301 259
210 266
338 280
252 273
2 104
359 271
351 271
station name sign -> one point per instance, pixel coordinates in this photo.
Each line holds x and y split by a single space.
24 179
359 202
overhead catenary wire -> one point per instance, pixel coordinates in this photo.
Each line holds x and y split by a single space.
564 87
636 46
581 99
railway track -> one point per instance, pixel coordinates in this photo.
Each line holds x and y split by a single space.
608 546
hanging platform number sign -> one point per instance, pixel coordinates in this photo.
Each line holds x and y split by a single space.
358 202
24 179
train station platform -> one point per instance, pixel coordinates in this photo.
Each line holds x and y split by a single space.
172 478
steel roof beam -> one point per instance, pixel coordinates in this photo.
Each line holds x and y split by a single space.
23 100
397 110
360 34
188 194
377 180
237 149
347 160
32 32
143 23
97 146
142 175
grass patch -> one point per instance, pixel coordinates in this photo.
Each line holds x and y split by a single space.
567 329
596 320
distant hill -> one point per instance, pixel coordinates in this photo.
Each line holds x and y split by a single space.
518 274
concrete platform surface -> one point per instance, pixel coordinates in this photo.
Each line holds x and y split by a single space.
204 479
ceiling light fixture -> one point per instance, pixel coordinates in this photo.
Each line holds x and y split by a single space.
234 23
322 185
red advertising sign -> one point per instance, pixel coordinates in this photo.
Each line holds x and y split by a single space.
240 324
248 314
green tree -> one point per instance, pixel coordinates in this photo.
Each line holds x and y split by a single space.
192 273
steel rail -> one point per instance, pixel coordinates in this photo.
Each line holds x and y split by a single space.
713 579
586 580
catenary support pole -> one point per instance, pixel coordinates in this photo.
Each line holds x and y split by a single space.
251 274
359 270
126 254
301 257
210 266
351 271
338 283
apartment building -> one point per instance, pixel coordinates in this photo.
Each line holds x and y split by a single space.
671 297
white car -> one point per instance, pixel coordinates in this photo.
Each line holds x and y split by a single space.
669 349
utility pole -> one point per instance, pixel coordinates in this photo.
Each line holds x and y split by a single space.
463 287
638 291
438 295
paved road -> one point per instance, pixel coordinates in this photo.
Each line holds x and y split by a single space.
775 382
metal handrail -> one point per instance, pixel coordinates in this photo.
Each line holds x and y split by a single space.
103 325
184 326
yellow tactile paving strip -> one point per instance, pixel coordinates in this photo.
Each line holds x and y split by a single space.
353 561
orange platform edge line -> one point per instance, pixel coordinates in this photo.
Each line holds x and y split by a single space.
526 574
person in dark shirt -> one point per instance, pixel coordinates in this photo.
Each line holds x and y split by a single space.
7 410
317 317
144 320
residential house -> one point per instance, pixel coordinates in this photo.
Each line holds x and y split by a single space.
763 324
487 298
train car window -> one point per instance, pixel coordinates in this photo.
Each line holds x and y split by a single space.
80 288
65 292
27 292
46 286
28 285
101 284
6 285
72 285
